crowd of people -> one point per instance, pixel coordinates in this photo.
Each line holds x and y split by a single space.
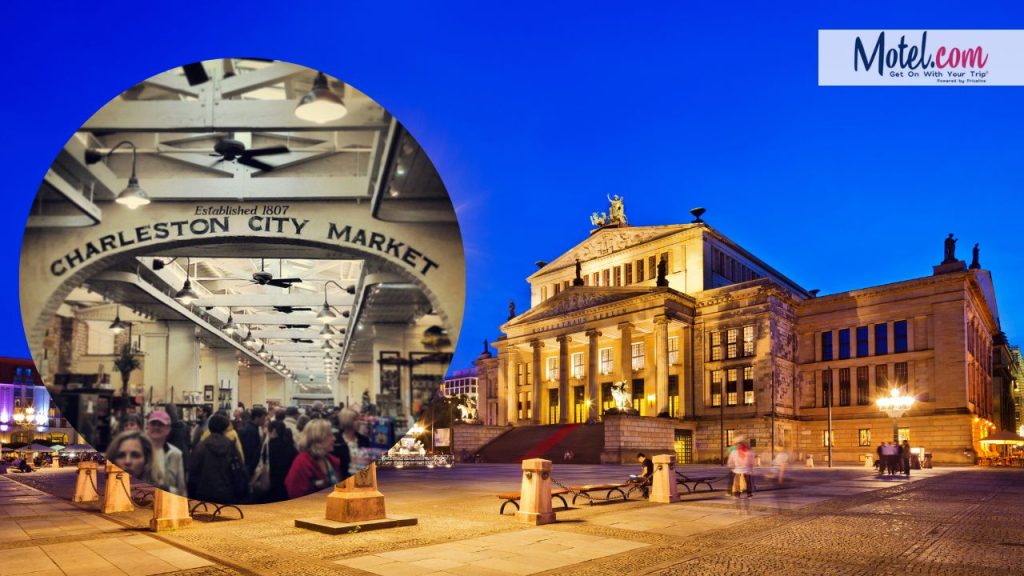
893 458
248 456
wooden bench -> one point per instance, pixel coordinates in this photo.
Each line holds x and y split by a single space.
513 499
608 489
691 484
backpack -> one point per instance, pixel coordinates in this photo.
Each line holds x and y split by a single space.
260 483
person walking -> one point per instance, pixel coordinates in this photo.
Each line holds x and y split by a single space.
132 452
252 436
741 463
315 468
880 459
281 453
349 442
905 458
216 472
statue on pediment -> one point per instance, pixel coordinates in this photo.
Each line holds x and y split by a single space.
616 212
598 221
950 249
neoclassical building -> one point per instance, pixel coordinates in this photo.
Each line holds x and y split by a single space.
717 342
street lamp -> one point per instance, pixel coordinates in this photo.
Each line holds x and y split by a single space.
895 405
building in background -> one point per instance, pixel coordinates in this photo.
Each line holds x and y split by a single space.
718 343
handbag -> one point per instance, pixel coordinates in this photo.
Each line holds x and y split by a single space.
260 483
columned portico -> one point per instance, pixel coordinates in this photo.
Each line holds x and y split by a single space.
626 351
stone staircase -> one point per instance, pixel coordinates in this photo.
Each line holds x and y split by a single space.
586 441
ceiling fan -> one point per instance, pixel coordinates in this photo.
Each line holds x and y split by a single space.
290 309
302 341
235 151
264 278
293 326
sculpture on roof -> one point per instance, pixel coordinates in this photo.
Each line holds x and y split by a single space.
511 309
662 272
578 281
598 221
950 249
974 261
616 212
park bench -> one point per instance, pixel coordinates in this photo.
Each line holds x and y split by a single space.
693 483
585 490
513 499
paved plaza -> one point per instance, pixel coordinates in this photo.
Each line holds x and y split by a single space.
953 521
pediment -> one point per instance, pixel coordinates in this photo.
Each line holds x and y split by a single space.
608 241
577 298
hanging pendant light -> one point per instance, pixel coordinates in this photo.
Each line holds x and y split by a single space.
187 295
320 104
230 327
133 195
327 332
117 326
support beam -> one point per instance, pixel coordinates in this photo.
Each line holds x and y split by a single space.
76 198
242 83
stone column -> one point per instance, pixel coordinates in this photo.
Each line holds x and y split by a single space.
593 386
538 380
535 493
686 376
564 398
626 352
661 364
664 488
503 388
511 385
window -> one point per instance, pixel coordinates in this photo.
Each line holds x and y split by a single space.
716 388
827 439
652 267
864 437
520 374
605 359
543 292
748 340
826 345
881 379
558 289
748 386
595 279
730 435
667 257
881 339
863 395
900 375
606 278
640 270
552 368
628 272
529 372
731 341
673 349
617 275
844 386
844 343
716 346
673 396
529 404
862 341
903 434
899 336
577 365
730 386
826 388
637 355
519 405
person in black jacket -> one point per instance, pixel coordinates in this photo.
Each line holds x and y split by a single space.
216 471
252 438
280 454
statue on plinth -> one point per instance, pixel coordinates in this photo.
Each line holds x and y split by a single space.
578 281
662 272
511 309
616 212
950 249
975 265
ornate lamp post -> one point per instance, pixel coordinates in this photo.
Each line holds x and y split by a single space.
895 405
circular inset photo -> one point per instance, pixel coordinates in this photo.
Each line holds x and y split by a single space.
242 281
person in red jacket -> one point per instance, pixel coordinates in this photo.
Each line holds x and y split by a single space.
315 468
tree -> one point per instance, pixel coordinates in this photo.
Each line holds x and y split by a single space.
126 363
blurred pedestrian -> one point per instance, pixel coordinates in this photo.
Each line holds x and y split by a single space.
166 456
131 422
216 471
348 442
252 436
741 462
132 452
905 458
281 453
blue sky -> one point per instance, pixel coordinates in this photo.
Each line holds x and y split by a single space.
533 115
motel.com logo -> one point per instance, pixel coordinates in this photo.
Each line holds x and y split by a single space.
907 59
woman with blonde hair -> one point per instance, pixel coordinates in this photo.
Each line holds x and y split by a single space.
133 452
315 468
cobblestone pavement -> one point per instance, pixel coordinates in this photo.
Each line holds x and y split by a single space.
838 521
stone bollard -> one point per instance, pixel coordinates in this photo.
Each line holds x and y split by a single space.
535 493
664 488
117 492
85 483
170 512
55 463
356 498
809 462
869 461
